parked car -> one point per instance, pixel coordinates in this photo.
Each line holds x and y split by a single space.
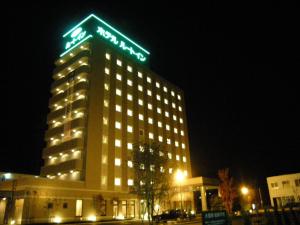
173 215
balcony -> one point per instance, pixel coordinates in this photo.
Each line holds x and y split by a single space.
64 167
75 143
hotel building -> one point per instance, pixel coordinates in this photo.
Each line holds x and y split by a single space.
104 100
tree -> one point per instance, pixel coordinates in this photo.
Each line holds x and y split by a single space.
228 190
151 180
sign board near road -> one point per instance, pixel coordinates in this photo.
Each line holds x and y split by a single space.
214 218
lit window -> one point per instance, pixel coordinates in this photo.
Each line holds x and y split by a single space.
106 87
118 125
172 93
105 103
118 108
175 130
129 146
78 207
183 146
118 92
181 120
162 170
165 89
141 102
167 114
149 106
117 162
103 180
158 97
130 164
183 158
151 136
182 133
119 77
177 157
168 141
105 120
140 75
185 173
107 56
170 155
150 120
119 62
179 97
157 85
149 93
170 170
173 105
117 181
174 117
118 143
160 138
180 109
176 143
106 70
140 88
167 127
129 68
148 79
141 117
159 124
129 112
104 139
130 182
129 97
129 82
129 129
142 167
158 110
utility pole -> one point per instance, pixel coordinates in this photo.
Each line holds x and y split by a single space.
260 198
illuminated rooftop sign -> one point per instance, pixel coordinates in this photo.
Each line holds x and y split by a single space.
93 26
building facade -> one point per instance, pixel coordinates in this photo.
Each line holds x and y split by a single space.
284 189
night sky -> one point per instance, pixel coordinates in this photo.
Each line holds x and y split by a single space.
238 71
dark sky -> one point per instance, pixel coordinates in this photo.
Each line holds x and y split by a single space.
238 71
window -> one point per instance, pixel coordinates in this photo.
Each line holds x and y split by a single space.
170 155
118 92
183 146
141 132
274 185
177 157
129 97
149 93
178 97
159 124
118 143
167 114
103 180
104 139
129 82
180 109
165 89
158 110
152 168
130 164
140 88
151 136
119 77
168 141
184 159
129 129
65 205
119 62
167 127
141 102
149 80
175 130
118 108
157 85
129 146
166 101
105 120
174 117
117 181
105 103
50 205
106 70
173 105
106 87
170 170
142 166
158 97
172 93
297 182
118 125
285 184
149 106
141 117
160 138
107 56
140 75
78 207
182 133
129 112
129 68
181 120
130 182
117 162
150 120
176 143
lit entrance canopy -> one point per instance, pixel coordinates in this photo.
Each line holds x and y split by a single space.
93 26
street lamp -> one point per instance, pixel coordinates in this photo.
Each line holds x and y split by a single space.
245 190
179 176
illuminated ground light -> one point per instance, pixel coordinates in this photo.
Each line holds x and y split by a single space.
57 219
91 218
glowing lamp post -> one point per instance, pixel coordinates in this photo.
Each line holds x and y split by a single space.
179 176
244 190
